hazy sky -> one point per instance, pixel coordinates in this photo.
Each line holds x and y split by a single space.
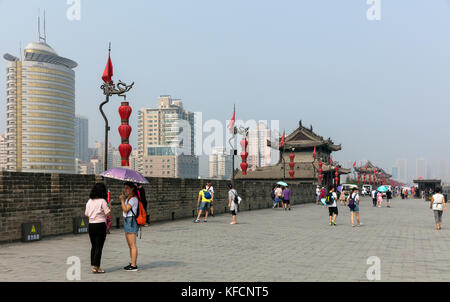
380 88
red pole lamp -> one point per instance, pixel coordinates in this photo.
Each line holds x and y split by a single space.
336 176
244 155
320 172
125 131
292 165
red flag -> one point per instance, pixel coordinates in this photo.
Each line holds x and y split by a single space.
108 73
314 152
233 120
282 140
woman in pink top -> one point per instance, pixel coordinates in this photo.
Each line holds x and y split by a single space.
97 209
379 199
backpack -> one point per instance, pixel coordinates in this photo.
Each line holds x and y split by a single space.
141 218
207 194
236 198
352 203
329 200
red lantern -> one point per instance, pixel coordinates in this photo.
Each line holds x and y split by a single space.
291 173
244 144
125 111
244 167
125 131
244 155
292 156
291 164
125 151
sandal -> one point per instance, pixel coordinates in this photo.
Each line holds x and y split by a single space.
99 271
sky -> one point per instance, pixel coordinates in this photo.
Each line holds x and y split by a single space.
378 87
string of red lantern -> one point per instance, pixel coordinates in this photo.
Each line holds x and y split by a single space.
292 165
125 131
244 155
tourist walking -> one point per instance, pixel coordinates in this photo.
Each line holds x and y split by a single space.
342 198
130 204
379 199
278 196
317 195
143 199
388 198
233 203
437 203
287 198
322 195
274 197
97 210
374 197
332 206
353 204
210 189
203 203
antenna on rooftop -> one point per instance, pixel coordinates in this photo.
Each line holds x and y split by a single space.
41 38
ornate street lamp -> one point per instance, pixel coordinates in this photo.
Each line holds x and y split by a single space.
109 89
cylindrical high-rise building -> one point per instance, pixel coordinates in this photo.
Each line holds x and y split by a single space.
40 111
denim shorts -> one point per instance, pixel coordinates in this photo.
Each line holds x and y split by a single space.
130 225
355 209
204 206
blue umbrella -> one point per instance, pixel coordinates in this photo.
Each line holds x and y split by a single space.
382 189
339 188
282 183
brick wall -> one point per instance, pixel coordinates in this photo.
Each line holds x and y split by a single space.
55 199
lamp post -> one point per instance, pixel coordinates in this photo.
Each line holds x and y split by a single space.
109 89
244 132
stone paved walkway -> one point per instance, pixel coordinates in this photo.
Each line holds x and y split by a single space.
267 245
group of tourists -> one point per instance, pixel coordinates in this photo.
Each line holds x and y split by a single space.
281 197
98 209
377 198
330 199
205 202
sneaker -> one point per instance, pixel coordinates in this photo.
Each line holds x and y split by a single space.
127 267
289 209
205 220
196 221
330 223
132 269
334 222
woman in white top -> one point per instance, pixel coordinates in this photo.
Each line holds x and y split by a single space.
437 203
130 204
97 209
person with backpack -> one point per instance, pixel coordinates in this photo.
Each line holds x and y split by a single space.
97 210
205 197
330 201
233 203
279 197
274 197
130 205
353 204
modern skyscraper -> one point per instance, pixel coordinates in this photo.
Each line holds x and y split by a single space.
442 169
166 140
3 152
260 155
220 164
421 168
40 110
402 165
394 173
81 138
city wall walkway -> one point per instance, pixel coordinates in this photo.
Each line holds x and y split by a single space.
266 245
